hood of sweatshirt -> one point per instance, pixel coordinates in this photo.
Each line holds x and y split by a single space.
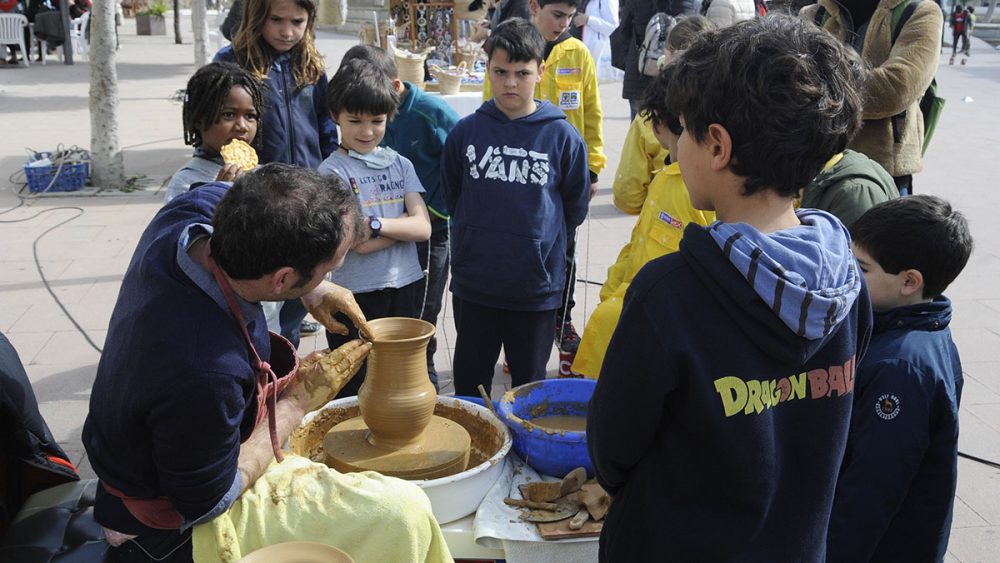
794 286
544 112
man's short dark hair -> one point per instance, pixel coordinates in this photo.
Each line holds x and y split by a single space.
786 91
378 56
361 87
653 106
920 232
519 38
282 215
571 3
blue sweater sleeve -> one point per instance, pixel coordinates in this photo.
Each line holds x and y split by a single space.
327 128
626 410
575 187
196 441
889 436
452 169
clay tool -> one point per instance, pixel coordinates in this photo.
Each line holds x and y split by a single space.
488 401
562 512
548 491
579 519
521 503
596 499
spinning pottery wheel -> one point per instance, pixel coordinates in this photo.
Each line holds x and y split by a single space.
397 433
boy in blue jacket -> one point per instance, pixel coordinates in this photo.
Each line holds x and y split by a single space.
721 414
418 132
897 484
515 178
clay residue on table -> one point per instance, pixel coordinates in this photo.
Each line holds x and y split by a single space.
307 440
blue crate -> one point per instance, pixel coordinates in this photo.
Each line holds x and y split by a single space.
72 176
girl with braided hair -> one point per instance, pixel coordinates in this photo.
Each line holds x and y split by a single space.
222 102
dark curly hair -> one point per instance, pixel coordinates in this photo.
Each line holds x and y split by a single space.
788 93
206 92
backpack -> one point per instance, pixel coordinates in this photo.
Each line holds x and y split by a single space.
931 105
654 43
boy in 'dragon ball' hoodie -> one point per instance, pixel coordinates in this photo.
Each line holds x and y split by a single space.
721 414
515 179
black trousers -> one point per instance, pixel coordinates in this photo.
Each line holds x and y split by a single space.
565 312
390 302
437 275
526 337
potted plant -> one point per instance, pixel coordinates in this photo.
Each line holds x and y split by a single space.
150 20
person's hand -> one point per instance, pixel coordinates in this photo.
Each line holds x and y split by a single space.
229 173
580 19
327 300
593 190
323 374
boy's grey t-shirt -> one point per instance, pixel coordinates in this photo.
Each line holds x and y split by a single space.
380 192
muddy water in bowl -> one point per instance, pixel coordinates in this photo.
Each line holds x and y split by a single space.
561 423
397 433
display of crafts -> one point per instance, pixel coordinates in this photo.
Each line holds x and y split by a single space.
433 26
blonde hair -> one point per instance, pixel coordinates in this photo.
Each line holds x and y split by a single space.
254 54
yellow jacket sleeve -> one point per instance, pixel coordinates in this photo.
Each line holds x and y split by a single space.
642 157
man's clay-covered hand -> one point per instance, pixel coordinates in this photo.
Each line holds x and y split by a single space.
327 300
323 374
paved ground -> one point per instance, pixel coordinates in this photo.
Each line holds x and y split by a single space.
84 259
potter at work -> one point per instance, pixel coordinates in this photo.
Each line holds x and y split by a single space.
190 444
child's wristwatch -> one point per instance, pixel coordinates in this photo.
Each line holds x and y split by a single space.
375 224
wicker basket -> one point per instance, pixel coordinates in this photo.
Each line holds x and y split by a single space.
449 79
411 67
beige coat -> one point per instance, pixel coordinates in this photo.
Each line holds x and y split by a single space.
898 78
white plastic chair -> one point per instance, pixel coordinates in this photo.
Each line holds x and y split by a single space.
78 34
12 33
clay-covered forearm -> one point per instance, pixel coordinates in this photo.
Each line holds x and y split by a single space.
256 453
899 82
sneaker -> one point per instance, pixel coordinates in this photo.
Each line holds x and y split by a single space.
567 337
951 61
963 60
309 327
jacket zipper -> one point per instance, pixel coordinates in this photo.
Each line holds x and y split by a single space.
291 122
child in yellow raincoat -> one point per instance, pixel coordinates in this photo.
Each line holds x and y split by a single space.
662 220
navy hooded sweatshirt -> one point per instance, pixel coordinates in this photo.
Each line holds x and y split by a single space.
897 486
296 127
175 394
514 187
721 414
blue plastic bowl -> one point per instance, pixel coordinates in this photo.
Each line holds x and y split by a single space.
551 453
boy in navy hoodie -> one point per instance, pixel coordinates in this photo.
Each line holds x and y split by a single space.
721 414
516 180
897 484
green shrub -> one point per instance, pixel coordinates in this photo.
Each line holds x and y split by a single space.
157 8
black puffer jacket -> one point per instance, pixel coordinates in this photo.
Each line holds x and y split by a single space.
30 458
635 14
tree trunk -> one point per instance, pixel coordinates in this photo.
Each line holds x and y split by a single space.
199 25
107 162
177 23
989 12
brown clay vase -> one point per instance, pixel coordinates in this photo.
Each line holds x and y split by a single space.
397 398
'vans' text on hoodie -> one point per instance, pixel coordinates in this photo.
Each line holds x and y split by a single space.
513 187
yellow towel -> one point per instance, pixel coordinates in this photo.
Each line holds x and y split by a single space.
371 517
